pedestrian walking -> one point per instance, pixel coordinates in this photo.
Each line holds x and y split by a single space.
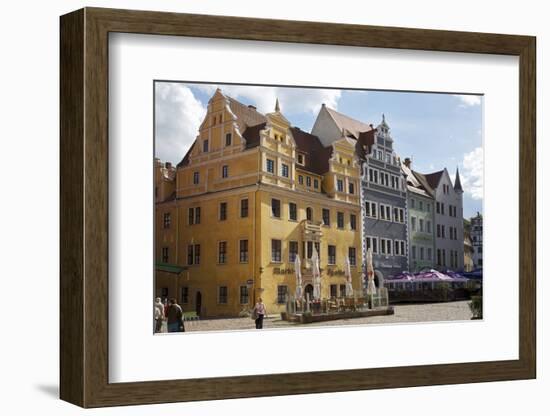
259 313
175 317
158 314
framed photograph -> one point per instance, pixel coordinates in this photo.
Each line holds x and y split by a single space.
255 207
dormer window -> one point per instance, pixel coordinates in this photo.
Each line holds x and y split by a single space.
301 159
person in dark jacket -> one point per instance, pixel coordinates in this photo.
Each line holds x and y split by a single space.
175 317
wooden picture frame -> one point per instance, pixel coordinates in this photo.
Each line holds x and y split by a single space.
84 207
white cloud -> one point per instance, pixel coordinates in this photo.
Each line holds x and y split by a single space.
291 100
472 174
178 115
469 100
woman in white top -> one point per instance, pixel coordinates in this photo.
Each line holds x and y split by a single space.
260 312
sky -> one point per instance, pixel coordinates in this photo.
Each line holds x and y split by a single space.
435 130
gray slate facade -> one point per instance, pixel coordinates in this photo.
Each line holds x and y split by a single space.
384 205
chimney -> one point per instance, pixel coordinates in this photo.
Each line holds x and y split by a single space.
408 162
168 165
251 106
371 125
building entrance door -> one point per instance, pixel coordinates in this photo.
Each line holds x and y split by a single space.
309 289
198 303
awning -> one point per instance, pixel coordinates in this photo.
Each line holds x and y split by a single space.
170 268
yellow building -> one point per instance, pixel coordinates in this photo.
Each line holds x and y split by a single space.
251 193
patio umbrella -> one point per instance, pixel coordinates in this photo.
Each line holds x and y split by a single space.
298 268
316 274
371 288
349 286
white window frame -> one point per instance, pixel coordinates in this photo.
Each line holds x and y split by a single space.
372 204
373 238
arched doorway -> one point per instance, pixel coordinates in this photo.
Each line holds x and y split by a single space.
309 289
198 303
378 279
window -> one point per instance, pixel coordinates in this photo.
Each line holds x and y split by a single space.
428 226
326 217
439 257
197 253
282 290
421 253
308 181
413 249
223 211
429 252
196 178
387 179
284 170
193 254
194 215
340 220
300 179
388 158
228 139
413 223
185 294
480 249
399 248
276 208
437 207
413 203
244 208
370 208
421 224
166 220
243 251
421 205
222 252
309 214
292 251
352 255
442 208
222 294
443 257
205 146
398 214
340 185
331 254
316 183
371 175
165 256
385 212
343 291
438 230
351 187
353 221
270 165
333 291
442 231
300 159
243 295
372 243
292 211
429 207
276 251
385 246
225 171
